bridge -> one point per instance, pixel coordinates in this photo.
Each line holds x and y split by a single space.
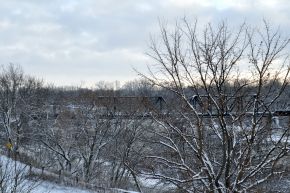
144 107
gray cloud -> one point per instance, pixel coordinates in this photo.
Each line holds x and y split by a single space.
70 41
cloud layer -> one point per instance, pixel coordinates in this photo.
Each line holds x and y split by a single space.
67 42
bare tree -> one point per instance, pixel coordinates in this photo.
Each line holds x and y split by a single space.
219 138
58 139
78 138
19 102
14 177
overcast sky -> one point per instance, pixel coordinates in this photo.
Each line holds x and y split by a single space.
69 42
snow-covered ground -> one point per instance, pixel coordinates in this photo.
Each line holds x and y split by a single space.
46 187
9 169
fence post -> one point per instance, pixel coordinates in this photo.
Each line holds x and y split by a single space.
30 169
42 170
59 174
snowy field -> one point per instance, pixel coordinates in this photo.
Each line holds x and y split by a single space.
47 187
9 169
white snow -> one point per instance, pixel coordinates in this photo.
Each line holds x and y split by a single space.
125 191
10 168
46 187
